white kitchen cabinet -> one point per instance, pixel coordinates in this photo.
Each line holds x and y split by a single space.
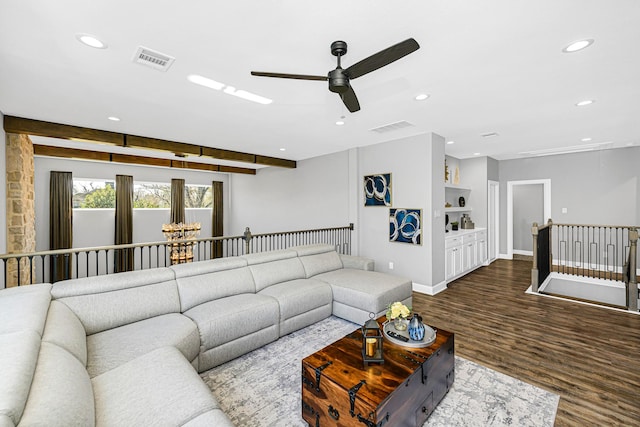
465 250
453 256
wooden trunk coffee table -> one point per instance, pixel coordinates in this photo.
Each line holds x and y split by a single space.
338 390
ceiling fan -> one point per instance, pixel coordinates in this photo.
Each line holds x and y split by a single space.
339 78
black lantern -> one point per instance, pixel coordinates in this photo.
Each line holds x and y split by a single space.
371 342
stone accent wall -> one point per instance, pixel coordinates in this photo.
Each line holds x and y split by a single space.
21 213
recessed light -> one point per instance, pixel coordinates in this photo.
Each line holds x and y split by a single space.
585 139
476 154
578 45
114 118
283 149
339 122
585 103
451 142
90 40
422 97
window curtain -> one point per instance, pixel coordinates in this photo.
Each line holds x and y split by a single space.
177 201
123 258
217 218
60 223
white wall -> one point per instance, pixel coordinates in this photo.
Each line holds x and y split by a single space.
418 183
598 187
96 227
313 195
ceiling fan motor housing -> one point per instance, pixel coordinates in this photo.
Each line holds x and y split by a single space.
338 81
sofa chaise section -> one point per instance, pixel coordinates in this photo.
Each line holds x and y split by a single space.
357 291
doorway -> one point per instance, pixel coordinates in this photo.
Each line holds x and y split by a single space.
546 207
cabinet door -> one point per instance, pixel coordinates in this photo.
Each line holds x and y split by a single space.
454 262
469 260
482 250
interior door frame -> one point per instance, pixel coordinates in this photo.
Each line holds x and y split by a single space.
493 211
546 185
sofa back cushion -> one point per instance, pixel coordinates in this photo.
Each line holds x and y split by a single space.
18 360
269 268
106 302
61 393
204 281
24 308
318 259
64 329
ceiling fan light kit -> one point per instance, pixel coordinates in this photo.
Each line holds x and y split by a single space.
339 78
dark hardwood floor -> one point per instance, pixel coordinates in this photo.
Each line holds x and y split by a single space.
590 356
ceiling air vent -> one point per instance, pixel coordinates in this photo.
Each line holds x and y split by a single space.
392 126
489 134
152 58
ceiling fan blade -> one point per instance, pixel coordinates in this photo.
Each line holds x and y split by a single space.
350 100
289 76
382 58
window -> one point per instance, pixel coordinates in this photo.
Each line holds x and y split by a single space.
198 196
151 195
94 194
101 193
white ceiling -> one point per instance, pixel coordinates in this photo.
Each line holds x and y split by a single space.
489 66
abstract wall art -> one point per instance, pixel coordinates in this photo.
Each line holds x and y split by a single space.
377 190
405 226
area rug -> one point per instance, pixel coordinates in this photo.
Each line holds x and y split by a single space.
262 388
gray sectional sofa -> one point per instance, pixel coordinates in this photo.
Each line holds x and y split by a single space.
125 349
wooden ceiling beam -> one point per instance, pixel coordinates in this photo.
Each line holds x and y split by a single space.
75 153
75 133
56 130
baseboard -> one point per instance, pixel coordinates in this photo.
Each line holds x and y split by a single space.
521 252
429 289
505 256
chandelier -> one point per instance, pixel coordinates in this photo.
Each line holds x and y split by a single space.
181 251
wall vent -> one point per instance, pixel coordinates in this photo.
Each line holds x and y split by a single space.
392 126
152 58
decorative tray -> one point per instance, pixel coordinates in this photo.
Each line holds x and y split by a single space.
429 336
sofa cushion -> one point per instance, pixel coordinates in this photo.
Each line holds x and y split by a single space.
18 358
159 388
114 347
269 256
299 296
270 273
24 308
209 266
367 290
227 319
195 290
61 392
321 263
64 329
106 302
317 248
302 303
